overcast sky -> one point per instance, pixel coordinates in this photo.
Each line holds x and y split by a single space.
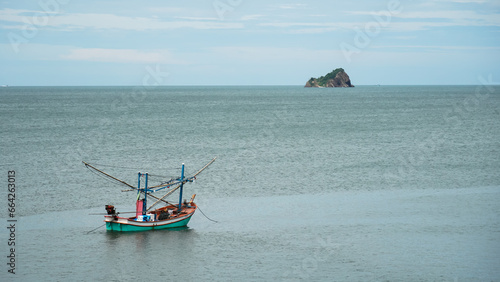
248 42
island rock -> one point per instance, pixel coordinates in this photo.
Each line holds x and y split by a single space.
336 78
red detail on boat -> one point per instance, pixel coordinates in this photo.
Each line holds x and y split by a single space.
138 210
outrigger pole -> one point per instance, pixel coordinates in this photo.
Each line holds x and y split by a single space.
164 196
121 181
182 182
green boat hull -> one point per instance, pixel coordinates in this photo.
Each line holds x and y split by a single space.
115 226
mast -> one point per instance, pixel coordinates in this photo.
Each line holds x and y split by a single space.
145 195
138 203
182 184
138 185
145 190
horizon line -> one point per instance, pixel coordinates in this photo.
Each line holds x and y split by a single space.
234 85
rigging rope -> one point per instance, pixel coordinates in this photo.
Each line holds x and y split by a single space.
108 177
134 168
115 166
126 167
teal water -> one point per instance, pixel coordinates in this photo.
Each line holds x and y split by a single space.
367 183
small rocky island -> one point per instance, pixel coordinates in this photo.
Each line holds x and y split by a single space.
336 78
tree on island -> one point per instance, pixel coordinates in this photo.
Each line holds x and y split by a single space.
336 78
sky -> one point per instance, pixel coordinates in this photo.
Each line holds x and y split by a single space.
248 42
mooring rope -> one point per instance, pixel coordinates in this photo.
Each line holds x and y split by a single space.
206 215
96 228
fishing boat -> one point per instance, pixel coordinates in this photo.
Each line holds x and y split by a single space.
169 216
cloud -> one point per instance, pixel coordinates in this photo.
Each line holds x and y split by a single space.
292 6
75 21
309 28
198 18
396 22
272 55
425 19
294 24
436 48
454 16
471 1
251 17
121 56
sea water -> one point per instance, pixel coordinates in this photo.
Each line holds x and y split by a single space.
372 183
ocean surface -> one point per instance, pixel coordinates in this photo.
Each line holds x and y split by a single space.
372 183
